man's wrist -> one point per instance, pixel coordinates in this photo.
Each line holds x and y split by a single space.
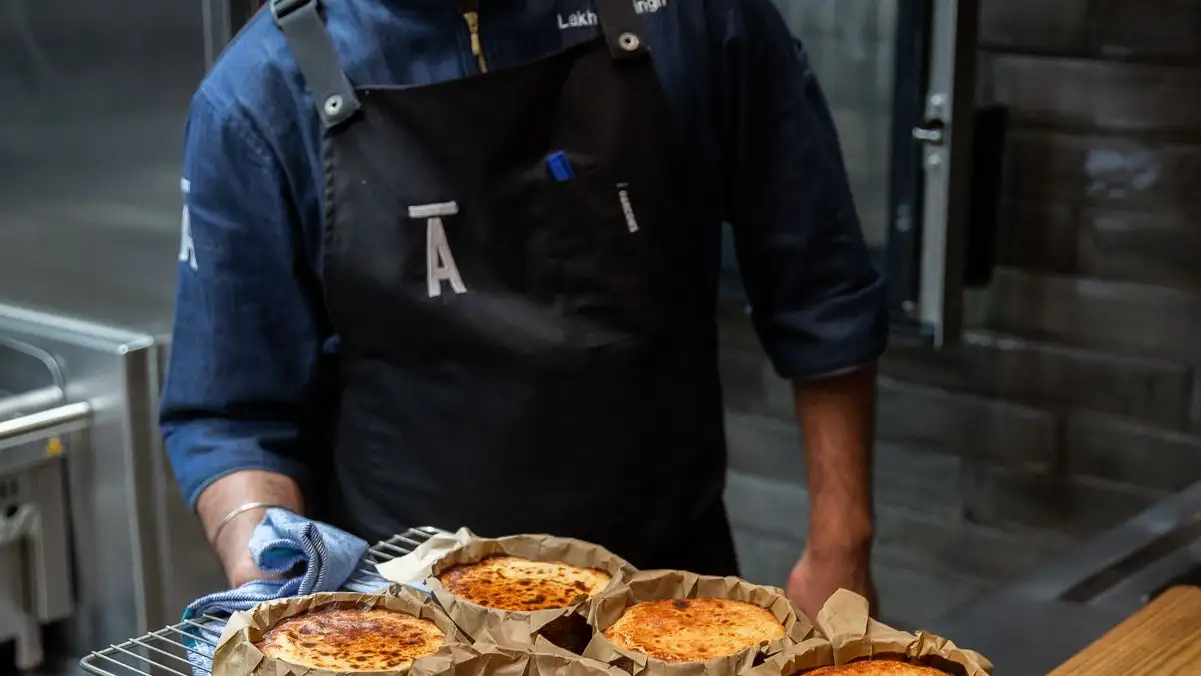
840 528
258 508
234 490
850 544
232 544
236 521
228 525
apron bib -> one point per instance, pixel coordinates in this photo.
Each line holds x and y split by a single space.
526 342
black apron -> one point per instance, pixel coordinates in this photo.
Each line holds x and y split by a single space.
527 345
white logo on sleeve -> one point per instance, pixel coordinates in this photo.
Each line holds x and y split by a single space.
587 18
187 248
439 261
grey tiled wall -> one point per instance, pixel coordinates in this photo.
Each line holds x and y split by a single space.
1078 384
1095 317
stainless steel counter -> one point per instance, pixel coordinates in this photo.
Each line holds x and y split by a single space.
1023 636
139 556
1035 624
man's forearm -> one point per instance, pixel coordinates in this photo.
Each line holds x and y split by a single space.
229 493
837 417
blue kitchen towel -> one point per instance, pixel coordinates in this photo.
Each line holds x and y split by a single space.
313 557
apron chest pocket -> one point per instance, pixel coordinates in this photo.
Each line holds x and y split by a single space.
599 254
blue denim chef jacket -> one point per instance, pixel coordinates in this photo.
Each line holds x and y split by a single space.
253 369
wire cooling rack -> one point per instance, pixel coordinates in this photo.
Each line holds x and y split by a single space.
165 652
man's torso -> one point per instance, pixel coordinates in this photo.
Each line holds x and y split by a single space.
404 43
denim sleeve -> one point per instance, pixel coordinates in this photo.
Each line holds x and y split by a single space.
817 303
246 337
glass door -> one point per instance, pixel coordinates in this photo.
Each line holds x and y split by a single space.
852 47
899 78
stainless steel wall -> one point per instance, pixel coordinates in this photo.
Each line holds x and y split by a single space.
92 108
93 99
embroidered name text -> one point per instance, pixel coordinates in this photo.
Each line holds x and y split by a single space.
588 18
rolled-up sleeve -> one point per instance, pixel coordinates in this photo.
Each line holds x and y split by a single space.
817 303
246 342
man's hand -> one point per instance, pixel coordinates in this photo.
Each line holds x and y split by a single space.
228 494
837 416
816 578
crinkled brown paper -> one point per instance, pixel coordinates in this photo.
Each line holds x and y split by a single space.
550 660
485 661
518 630
545 660
670 584
847 634
236 654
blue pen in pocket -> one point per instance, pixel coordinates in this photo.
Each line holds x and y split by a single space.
560 166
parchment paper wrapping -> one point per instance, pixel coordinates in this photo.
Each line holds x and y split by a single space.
656 585
811 653
236 654
518 630
486 661
545 660
847 634
550 660
415 566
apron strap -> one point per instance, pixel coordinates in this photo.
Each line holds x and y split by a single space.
622 27
314 52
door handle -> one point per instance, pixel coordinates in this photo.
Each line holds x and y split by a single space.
930 133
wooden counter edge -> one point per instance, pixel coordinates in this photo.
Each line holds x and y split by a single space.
1125 649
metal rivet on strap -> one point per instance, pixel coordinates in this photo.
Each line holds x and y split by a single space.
333 105
629 42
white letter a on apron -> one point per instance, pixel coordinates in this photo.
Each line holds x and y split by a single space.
439 261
